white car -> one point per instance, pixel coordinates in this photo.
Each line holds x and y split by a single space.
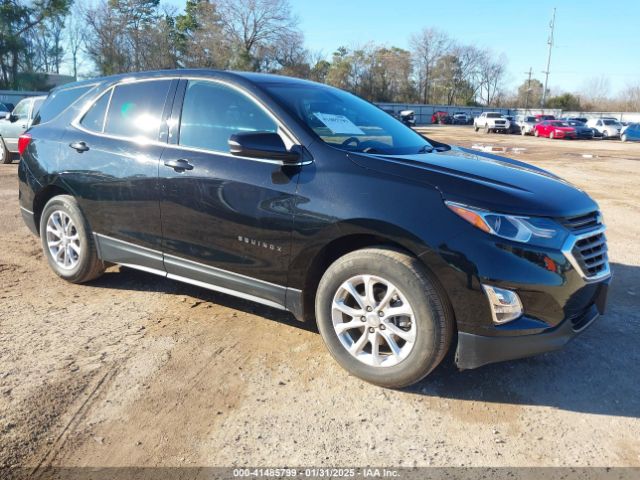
608 127
491 122
526 124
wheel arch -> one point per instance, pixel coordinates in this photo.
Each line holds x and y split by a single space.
41 199
340 246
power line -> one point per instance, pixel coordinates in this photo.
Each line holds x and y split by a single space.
552 27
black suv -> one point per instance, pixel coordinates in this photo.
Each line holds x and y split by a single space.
306 198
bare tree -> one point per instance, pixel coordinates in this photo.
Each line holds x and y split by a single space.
596 91
75 41
427 47
254 26
492 72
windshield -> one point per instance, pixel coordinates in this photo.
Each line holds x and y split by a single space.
494 115
559 124
347 122
609 122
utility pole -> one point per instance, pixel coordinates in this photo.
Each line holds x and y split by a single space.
526 102
552 27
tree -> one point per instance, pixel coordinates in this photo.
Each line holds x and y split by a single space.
18 19
255 26
427 47
596 91
566 101
491 74
529 93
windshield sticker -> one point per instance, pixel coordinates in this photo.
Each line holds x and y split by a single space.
338 124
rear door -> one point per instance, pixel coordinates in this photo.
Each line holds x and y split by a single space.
111 157
226 220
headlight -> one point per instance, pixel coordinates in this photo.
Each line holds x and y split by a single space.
537 230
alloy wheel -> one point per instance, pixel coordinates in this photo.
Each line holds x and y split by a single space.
63 240
373 321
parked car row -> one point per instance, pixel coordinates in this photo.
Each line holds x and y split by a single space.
548 126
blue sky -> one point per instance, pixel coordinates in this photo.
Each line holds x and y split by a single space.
593 38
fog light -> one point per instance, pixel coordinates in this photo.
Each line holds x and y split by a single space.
505 304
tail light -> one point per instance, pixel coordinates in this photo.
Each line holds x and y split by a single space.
23 142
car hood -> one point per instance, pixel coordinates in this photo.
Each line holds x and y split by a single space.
487 181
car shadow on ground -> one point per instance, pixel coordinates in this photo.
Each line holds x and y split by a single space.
597 373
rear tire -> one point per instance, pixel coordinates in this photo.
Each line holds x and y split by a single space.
487 129
384 280
67 241
5 155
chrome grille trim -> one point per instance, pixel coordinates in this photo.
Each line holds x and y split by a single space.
590 255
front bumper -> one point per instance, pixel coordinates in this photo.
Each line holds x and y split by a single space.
474 351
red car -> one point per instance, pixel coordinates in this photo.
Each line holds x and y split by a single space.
554 129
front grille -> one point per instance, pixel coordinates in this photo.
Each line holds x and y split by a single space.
499 122
591 254
582 222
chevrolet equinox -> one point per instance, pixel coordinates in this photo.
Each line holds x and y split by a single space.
306 198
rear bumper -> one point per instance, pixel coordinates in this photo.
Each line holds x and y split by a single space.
476 350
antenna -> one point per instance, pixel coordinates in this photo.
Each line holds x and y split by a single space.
552 27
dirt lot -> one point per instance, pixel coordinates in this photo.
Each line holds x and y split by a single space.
136 370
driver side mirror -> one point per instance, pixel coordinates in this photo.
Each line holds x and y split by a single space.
8 116
265 145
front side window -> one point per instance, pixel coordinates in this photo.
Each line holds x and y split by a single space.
135 109
212 112
22 109
347 122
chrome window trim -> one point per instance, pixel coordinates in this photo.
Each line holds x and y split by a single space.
282 129
567 248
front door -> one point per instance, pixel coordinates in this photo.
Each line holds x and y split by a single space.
111 160
226 220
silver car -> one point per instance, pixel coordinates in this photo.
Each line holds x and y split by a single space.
14 124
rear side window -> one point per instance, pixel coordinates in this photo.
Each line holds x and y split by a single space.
58 101
212 112
94 118
136 109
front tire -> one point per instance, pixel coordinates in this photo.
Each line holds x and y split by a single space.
382 317
67 241
5 155
623 137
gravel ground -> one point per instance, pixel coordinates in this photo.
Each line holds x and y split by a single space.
133 370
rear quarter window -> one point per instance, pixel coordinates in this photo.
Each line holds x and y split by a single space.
58 101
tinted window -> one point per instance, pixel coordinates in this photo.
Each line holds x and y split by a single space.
94 118
58 101
136 109
212 112
493 115
345 121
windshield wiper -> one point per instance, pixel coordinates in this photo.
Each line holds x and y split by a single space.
426 149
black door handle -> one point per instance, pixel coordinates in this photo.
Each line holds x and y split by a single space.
79 146
179 165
